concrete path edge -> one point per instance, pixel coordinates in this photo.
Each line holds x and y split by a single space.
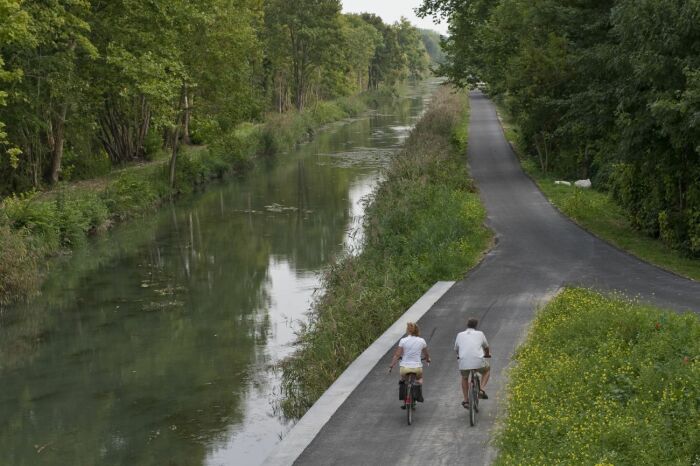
299 437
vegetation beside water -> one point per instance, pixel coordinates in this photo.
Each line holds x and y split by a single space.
424 224
604 381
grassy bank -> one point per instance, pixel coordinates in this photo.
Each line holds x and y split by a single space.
604 381
38 225
598 213
424 224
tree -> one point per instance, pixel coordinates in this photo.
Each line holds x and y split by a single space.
51 81
389 62
411 45
360 41
14 32
307 31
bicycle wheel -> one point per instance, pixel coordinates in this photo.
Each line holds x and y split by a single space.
409 403
477 390
472 401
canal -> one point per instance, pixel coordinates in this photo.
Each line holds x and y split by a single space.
156 343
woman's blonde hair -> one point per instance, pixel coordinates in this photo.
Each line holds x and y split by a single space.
412 329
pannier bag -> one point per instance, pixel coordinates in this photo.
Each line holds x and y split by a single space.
418 392
402 390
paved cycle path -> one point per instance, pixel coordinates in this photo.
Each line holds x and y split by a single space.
538 251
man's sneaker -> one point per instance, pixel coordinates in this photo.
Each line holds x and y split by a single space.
483 395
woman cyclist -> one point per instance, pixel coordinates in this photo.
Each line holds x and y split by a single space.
411 350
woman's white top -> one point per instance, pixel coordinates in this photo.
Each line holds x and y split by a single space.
412 351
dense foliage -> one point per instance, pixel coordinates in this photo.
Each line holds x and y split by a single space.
604 381
603 89
88 85
424 224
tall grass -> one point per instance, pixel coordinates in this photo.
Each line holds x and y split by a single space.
604 381
424 224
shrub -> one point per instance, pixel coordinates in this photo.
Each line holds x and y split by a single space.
85 166
237 148
282 131
133 193
153 145
37 218
19 277
327 112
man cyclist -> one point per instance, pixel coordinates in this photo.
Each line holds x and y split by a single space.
411 350
472 350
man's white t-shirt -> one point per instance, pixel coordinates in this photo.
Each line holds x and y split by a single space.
412 350
470 346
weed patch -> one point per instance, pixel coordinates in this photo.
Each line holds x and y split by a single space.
604 380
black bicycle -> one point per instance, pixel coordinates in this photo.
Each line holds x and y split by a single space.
473 390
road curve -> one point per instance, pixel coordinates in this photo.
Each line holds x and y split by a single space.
538 251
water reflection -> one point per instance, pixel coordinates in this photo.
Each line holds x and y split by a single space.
153 345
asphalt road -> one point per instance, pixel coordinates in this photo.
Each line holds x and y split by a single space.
538 251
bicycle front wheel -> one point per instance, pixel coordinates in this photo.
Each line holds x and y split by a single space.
472 402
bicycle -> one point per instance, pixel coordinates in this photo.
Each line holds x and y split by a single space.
409 404
473 391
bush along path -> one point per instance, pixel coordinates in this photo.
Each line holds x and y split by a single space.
39 225
425 223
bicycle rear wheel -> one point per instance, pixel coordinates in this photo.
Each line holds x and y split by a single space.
477 391
408 403
472 401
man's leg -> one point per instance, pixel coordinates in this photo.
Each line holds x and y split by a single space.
485 377
465 388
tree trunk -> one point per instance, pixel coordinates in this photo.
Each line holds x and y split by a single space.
186 118
173 157
179 124
124 136
57 136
